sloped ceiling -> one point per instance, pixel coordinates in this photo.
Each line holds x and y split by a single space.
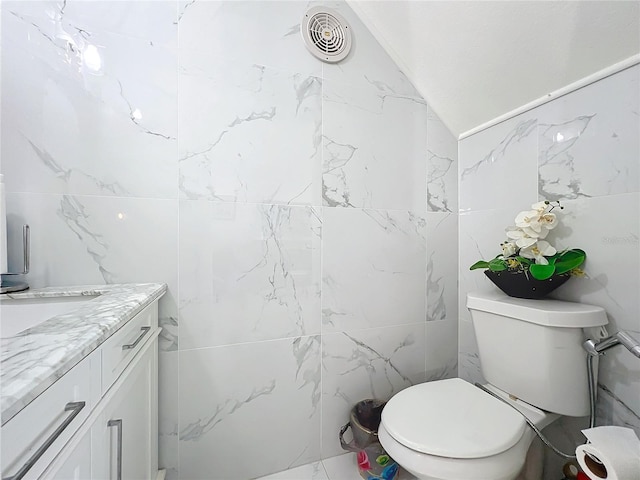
474 61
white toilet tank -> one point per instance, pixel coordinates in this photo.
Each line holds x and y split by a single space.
532 349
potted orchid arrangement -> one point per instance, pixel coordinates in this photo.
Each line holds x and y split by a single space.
529 266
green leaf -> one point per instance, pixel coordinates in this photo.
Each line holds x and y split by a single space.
570 260
570 253
497 265
573 253
542 272
479 264
523 260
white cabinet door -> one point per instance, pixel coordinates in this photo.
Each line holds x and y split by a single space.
37 434
124 438
77 465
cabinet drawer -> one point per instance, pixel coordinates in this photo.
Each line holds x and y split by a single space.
122 346
41 429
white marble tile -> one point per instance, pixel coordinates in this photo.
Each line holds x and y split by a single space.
78 239
235 400
608 230
368 65
248 272
611 410
480 236
619 386
249 133
499 166
469 367
613 282
342 467
93 240
442 266
107 131
442 166
442 296
374 269
152 20
251 32
441 349
374 149
374 363
168 444
169 339
588 141
310 471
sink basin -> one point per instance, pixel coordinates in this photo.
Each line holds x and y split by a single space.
19 314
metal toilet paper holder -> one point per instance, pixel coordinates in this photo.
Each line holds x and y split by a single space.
11 286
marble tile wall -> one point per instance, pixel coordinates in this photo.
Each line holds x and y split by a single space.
301 213
584 150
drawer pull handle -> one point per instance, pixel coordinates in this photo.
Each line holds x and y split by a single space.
129 346
118 424
74 408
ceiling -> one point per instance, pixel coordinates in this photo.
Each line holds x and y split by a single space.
474 61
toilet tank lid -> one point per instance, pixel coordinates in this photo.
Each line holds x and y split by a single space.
551 313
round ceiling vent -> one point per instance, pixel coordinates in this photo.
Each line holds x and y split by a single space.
326 34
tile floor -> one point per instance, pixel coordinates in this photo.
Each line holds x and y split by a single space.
342 467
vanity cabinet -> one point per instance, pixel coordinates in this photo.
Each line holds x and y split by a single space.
101 416
123 444
77 465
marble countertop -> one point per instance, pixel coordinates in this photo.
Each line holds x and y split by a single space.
34 359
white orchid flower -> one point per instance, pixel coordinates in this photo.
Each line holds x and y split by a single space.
533 234
540 207
538 251
532 221
521 238
536 223
509 248
526 218
549 220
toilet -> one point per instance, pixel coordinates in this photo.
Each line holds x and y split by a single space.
531 356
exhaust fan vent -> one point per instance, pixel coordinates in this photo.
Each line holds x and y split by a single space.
326 34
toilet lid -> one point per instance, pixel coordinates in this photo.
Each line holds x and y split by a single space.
452 418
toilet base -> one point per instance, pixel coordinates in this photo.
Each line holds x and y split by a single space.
534 463
504 466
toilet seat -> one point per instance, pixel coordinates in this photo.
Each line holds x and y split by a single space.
452 418
504 466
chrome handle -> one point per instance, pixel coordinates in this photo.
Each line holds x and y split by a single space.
118 424
599 347
74 408
26 242
129 346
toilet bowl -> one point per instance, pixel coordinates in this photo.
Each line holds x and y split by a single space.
455 431
532 349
